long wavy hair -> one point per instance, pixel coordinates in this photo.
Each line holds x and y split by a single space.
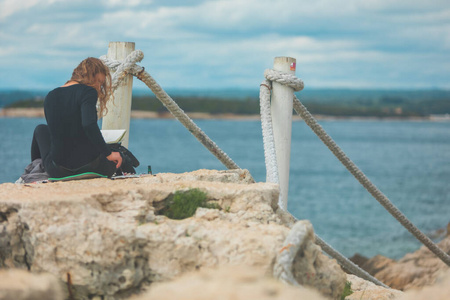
85 73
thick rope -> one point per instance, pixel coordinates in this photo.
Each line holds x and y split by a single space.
178 113
284 79
268 139
354 170
270 157
266 123
272 176
129 67
366 183
299 234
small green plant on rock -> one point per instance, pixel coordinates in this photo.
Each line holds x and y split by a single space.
347 290
184 204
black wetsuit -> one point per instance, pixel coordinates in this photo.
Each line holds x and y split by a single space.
76 143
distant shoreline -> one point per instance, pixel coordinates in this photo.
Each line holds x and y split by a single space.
138 114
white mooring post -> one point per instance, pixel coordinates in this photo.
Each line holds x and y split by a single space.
119 113
281 110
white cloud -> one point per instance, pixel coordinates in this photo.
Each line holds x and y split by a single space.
193 42
10 7
8 50
125 3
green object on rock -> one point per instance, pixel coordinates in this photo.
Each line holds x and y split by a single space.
86 175
347 290
184 204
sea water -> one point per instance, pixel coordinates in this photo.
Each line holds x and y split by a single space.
408 161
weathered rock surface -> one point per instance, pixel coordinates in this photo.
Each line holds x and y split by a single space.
439 290
365 290
235 283
414 270
108 238
22 285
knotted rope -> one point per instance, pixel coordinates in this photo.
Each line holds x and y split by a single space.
284 79
266 122
122 69
128 66
353 169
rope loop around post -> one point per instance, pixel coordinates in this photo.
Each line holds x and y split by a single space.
285 79
122 68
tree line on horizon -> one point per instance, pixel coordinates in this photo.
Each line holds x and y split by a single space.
383 106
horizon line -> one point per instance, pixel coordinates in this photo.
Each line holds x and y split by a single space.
12 89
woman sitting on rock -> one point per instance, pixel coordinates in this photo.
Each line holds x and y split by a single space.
71 143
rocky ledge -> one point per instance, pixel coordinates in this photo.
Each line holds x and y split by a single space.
108 239
415 270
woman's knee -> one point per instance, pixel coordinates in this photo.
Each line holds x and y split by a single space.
40 145
41 129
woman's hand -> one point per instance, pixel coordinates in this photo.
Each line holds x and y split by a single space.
115 157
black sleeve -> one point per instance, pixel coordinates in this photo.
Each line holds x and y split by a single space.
89 121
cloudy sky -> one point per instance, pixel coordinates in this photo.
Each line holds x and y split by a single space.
229 43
